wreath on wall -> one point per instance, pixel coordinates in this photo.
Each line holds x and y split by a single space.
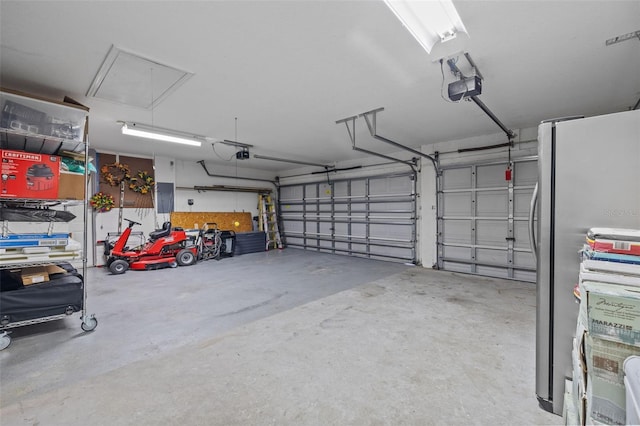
141 183
115 173
102 202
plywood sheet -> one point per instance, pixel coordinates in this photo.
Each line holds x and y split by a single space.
238 222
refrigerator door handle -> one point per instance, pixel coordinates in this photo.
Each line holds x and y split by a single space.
532 235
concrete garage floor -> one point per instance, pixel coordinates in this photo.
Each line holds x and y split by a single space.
283 337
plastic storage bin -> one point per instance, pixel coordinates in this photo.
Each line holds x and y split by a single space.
631 368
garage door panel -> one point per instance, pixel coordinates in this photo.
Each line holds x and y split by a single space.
342 247
340 189
358 188
453 252
395 252
327 244
456 178
296 240
456 232
492 204
521 235
311 191
406 207
521 275
391 232
525 173
490 271
293 226
522 202
492 219
293 208
359 207
292 193
464 268
523 259
491 176
390 185
491 256
325 228
356 215
457 204
491 232
341 228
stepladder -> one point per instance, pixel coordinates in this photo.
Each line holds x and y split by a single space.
269 221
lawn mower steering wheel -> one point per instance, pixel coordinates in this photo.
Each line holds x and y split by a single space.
132 222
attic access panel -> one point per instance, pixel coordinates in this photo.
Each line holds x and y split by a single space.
129 79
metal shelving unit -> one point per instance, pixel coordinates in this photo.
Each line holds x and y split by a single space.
26 135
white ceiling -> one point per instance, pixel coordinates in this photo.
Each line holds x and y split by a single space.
289 69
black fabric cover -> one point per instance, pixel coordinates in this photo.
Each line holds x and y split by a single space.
25 214
250 242
41 300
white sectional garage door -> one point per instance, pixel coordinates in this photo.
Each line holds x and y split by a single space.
483 219
372 217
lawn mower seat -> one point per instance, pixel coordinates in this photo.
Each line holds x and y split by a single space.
159 233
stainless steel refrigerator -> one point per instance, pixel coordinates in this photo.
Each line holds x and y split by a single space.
588 176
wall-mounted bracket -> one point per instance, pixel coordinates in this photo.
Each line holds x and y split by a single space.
371 118
352 136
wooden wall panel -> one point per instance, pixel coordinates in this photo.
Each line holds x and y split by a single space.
132 199
226 220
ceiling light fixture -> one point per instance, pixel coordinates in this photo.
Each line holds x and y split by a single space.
160 134
430 21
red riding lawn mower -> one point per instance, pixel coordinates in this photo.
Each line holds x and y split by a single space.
166 248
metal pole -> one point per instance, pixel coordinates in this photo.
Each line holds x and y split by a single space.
201 162
352 137
372 130
492 116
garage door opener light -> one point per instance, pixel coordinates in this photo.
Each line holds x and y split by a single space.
160 134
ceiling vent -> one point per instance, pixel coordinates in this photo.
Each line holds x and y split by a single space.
132 80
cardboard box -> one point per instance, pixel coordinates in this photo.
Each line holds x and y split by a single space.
605 359
606 393
612 311
36 274
71 186
605 403
28 175
579 386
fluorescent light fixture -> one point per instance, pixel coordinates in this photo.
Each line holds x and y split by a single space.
160 134
428 21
